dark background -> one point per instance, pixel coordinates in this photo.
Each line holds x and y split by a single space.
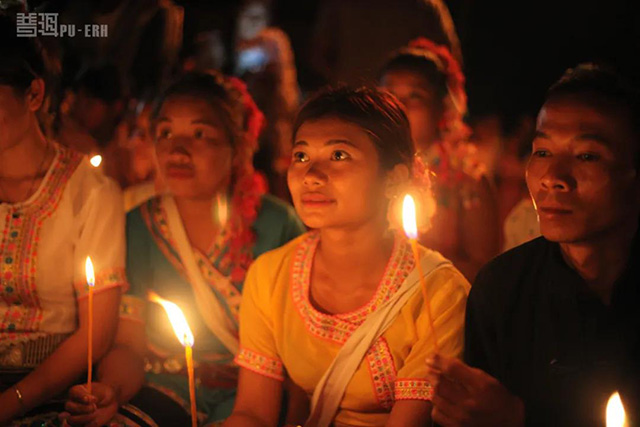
513 50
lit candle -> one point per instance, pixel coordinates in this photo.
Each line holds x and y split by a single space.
616 416
91 281
183 332
96 160
222 209
410 226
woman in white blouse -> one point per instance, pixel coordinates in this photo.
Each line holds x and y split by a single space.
55 210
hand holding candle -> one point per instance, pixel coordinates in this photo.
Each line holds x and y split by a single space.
91 281
410 226
185 336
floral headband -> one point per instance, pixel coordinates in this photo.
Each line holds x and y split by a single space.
445 62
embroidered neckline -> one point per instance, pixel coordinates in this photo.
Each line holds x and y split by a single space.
61 158
218 257
338 327
19 249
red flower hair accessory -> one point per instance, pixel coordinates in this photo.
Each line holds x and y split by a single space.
447 64
452 127
248 185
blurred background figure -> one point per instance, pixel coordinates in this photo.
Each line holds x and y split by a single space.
208 52
145 38
504 145
353 39
516 211
264 60
94 105
428 80
140 144
91 116
140 152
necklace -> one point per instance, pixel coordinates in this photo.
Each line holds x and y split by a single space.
33 180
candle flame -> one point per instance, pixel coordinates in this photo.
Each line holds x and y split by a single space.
96 160
88 268
222 209
409 217
177 319
615 412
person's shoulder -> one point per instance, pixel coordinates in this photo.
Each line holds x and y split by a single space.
136 195
86 178
450 274
521 255
505 273
135 217
444 276
271 269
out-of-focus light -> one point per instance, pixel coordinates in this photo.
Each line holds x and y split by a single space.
96 160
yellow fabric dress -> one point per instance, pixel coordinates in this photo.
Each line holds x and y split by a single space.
281 333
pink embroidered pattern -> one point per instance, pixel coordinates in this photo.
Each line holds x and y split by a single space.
19 246
413 389
338 328
383 372
260 364
132 308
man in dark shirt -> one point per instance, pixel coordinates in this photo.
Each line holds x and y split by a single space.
553 326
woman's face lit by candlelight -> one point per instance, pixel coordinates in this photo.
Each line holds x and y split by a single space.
335 177
193 150
421 102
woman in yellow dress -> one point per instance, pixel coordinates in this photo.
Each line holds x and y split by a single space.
349 289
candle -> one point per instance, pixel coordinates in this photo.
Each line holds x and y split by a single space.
91 281
222 210
616 416
183 332
410 226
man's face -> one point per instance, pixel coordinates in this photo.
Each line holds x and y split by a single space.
582 172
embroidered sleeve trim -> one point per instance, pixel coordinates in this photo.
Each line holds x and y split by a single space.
132 308
260 364
105 279
412 389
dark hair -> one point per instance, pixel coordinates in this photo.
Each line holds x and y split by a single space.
103 82
21 58
376 111
596 83
211 88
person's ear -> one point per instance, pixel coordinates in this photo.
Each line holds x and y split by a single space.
35 94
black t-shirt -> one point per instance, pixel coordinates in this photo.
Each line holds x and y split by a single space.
533 324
